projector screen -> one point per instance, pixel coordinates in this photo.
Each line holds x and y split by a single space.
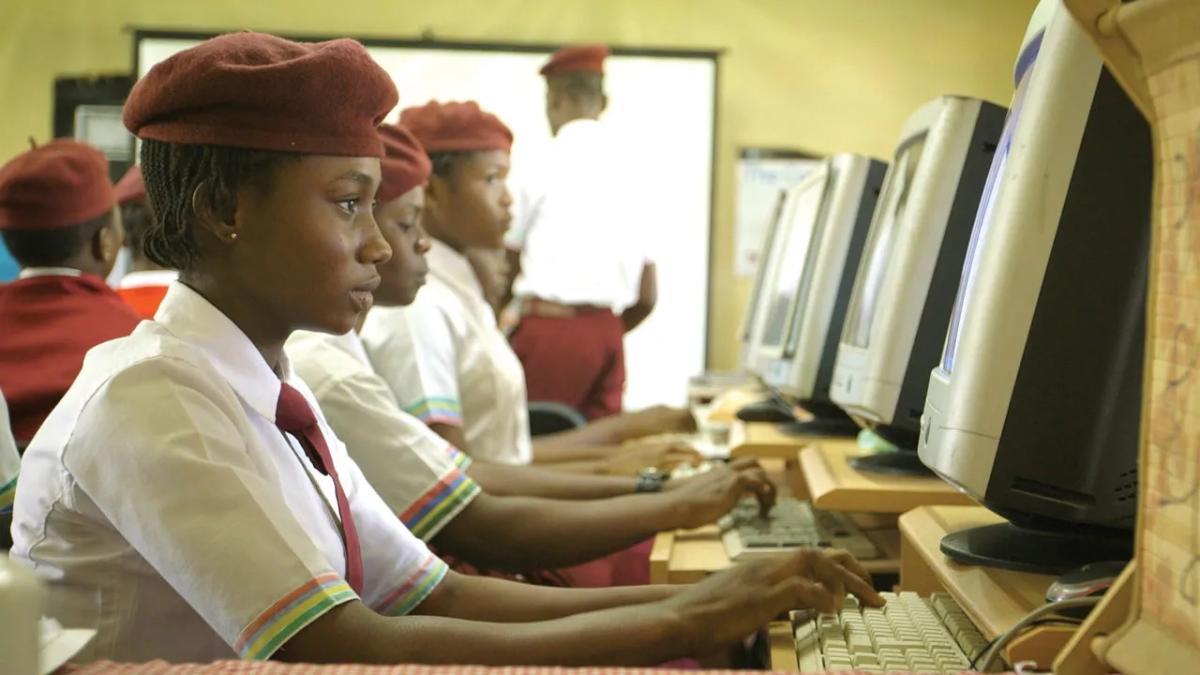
661 103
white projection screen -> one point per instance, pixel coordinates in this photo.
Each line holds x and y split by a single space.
662 103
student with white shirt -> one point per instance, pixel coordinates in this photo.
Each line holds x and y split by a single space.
584 273
186 497
10 467
146 282
427 482
58 218
444 357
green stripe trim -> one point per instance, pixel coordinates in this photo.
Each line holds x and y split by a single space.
467 490
416 595
286 632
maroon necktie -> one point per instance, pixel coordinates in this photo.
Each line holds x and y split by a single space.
293 416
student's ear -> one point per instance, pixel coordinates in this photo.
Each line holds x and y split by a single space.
437 194
108 240
216 214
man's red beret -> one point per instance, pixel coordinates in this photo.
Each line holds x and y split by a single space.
56 185
131 187
404 164
456 126
261 92
577 59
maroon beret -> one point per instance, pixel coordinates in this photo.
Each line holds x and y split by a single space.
56 185
456 126
261 92
404 164
131 187
577 59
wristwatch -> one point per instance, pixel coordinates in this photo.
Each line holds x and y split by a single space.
650 479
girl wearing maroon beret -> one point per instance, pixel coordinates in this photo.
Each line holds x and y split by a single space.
187 499
444 357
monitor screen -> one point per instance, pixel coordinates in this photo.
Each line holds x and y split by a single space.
888 215
756 295
797 236
983 216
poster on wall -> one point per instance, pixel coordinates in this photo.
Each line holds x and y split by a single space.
761 174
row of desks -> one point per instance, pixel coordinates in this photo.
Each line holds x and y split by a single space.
905 516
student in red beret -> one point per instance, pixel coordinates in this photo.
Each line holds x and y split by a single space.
59 221
187 498
444 357
584 274
146 282
522 518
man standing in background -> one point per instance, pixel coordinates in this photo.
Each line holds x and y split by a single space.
583 276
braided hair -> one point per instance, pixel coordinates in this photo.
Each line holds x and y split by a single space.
174 172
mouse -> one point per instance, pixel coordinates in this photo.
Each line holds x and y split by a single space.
1090 580
764 411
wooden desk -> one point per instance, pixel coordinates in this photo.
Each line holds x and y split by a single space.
687 556
995 599
835 486
764 439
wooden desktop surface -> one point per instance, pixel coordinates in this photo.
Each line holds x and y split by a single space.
995 599
834 485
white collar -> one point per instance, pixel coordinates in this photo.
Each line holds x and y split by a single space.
146 278
190 317
453 268
582 125
30 272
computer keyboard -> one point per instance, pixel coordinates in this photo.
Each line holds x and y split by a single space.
791 524
910 633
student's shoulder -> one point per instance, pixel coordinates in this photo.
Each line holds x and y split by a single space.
145 370
321 361
149 362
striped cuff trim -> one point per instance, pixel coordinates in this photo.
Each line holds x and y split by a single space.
436 410
279 622
402 600
8 493
439 504
460 458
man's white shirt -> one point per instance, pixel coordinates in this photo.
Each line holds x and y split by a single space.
582 240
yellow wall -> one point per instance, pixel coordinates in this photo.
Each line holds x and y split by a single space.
823 75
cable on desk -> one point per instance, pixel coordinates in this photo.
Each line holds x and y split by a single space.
990 655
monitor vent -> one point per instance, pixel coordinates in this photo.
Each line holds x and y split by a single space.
1053 492
1126 488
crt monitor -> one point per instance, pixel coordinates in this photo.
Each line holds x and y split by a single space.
752 320
1035 406
906 281
821 245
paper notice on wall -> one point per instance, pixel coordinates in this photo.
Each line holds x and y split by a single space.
762 174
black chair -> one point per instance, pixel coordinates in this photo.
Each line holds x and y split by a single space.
548 417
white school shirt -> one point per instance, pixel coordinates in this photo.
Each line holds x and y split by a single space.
10 461
419 475
447 362
164 508
579 232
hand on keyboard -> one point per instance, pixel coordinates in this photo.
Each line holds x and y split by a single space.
634 457
706 497
732 604
660 419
